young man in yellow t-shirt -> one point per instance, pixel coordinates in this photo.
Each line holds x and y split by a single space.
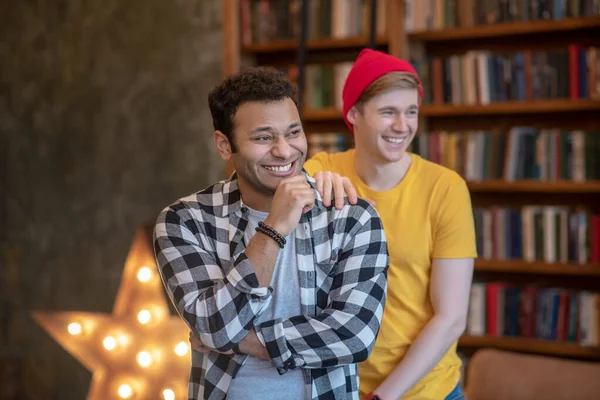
427 216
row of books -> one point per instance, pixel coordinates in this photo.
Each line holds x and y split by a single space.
330 142
506 309
323 84
521 153
550 234
482 77
429 15
268 20
477 77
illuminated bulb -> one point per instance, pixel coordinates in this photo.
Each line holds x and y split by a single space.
125 391
144 316
144 358
168 394
109 343
122 339
74 328
144 274
181 349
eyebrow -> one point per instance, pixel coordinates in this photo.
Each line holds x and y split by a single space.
261 129
412 106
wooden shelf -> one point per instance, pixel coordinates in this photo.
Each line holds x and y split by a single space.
535 186
315 44
325 114
519 28
511 107
504 108
541 268
531 345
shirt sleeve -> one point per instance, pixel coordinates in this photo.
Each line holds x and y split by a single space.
345 331
219 306
454 235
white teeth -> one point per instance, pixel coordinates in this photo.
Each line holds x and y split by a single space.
394 140
283 168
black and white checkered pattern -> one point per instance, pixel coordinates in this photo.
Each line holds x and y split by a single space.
342 259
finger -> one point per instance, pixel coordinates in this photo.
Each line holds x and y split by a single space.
319 181
199 347
298 185
295 179
302 195
304 198
350 191
195 342
308 204
338 192
371 202
327 188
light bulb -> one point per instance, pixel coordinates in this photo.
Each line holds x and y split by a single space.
74 328
144 358
122 339
109 343
144 316
144 274
168 394
181 349
125 391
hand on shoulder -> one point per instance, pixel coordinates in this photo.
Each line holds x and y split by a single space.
333 186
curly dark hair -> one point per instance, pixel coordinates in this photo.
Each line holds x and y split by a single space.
252 84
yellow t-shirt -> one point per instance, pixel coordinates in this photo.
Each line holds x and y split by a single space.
427 215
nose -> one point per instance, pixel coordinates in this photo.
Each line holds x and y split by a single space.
281 149
400 124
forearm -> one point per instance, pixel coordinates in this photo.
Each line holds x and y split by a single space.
342 334
218 308
252 346
425 352
259 259
262 253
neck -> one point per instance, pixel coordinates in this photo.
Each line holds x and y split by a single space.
255 200
380 175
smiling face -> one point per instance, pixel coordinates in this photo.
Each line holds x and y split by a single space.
386 124
270 144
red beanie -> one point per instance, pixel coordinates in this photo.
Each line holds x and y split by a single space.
369 66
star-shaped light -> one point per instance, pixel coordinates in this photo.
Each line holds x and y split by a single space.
140 351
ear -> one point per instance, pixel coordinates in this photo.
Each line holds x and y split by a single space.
352 115
223 145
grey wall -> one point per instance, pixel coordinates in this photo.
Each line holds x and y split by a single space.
103 121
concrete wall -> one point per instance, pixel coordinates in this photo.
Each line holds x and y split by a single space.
103 121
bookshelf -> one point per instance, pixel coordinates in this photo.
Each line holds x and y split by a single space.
534 346
507 30
412 33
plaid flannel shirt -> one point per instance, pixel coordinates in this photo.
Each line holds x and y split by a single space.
342 261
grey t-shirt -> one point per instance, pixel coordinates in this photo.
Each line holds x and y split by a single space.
258 378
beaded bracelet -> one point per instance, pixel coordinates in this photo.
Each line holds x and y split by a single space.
272 233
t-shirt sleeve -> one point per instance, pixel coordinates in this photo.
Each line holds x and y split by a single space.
455 226
319 162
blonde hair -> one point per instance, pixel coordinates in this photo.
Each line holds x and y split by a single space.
391 80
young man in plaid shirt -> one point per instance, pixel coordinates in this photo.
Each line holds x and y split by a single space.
284 294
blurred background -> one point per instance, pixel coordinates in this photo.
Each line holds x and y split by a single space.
103 122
